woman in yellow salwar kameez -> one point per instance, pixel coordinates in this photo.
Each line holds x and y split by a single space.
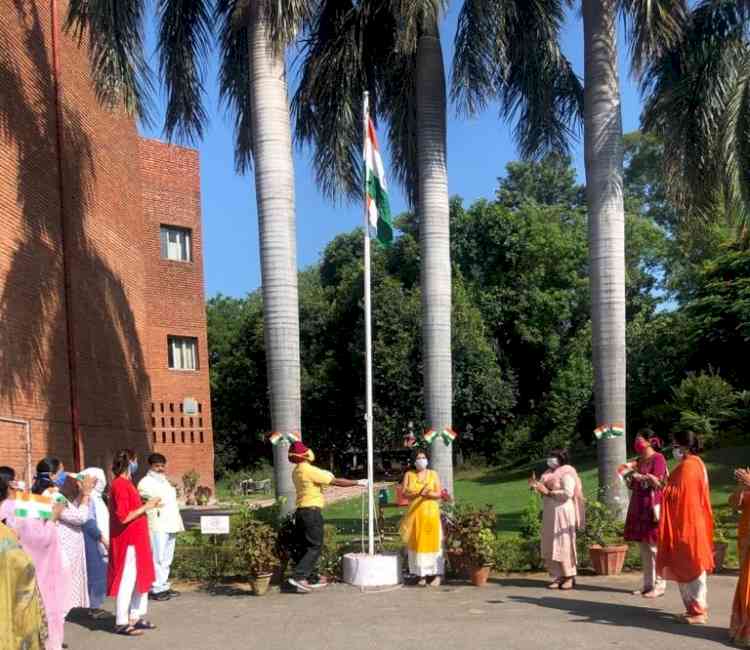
421 530
22 622
739 627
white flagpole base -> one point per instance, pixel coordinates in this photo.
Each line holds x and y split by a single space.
364 570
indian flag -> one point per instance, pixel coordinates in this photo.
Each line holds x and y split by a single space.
607 431
33 506
379 220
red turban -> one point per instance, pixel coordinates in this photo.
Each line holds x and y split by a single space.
299 452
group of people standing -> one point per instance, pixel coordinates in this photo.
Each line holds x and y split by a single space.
92 545
669 516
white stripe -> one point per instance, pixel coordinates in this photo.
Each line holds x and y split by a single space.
374 161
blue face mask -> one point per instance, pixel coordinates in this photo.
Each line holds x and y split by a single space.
61 478
133 467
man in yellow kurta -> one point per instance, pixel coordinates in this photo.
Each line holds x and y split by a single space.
309 482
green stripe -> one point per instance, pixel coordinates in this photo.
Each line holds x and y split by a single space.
380 196
25 512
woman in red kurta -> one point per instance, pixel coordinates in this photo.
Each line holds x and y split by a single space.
131 566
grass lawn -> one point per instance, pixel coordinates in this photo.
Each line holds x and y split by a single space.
507 490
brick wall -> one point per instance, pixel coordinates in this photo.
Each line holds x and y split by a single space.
176 307
113 255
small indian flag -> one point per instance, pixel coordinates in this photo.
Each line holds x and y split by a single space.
33 506
429 436
625 470
276 438
449 435
380 224
606 431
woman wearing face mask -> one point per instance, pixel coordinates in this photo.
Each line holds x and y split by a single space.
130 572
420 528
563 514
642 524
686 528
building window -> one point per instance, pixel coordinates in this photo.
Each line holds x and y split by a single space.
182 352
175 244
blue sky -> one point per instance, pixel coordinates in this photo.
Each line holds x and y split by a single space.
478 150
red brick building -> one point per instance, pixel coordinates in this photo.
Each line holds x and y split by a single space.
102 314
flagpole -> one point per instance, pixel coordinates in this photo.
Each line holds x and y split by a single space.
368 357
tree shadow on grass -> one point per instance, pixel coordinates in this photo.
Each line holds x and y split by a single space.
626 616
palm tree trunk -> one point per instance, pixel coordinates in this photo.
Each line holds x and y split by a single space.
604 163
434 234
274 190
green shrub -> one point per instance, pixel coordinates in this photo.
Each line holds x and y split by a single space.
208 558
704 403
531 533
511 554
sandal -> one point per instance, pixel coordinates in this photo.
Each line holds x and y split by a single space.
567 584
143 624
128 630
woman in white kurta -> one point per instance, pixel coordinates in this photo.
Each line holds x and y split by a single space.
562 494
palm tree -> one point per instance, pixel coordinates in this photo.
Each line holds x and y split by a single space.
392 49
510 51
252 39
698 103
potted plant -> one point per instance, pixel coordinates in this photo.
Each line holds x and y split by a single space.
255 545
471 542
603 536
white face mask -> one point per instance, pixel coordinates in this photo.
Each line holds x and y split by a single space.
553 463
678 453
421 464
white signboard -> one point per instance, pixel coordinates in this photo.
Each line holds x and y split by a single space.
215 525
190 406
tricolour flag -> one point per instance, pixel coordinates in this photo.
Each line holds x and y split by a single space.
607 431
379 220
33 506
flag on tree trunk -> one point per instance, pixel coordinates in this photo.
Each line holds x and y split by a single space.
376 192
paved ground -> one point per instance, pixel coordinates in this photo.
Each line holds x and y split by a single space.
508 614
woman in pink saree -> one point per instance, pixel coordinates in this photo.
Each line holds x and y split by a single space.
563 514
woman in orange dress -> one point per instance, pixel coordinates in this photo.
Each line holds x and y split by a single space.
686 529
739 628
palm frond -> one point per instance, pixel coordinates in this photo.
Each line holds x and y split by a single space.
184 42
399 98
286 19
510 51
653 27
347 44
114 31
411 15
696 101
234 74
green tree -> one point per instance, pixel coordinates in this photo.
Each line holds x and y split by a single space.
510 51
252 38
698 104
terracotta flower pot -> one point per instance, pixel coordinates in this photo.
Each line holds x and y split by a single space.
608 560
479 575
261 583
720 553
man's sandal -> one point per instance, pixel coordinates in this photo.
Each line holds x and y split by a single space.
128 630
143 624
